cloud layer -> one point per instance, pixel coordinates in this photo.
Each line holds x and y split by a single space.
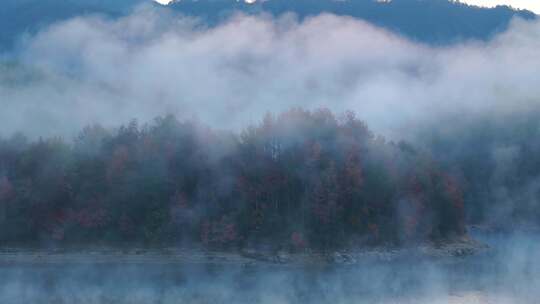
96 70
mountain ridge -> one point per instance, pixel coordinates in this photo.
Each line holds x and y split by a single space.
433 22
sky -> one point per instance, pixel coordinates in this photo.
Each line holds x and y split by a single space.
533 5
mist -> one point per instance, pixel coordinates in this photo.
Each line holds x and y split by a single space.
506 275
468 112
154 62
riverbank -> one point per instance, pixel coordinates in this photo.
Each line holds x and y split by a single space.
448 249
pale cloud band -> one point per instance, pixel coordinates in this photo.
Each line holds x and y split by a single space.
93 70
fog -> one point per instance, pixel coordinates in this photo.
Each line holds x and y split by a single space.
508 273
97 70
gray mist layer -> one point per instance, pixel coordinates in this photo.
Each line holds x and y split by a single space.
507 274
97 70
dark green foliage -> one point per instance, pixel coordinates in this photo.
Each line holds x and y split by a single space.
301 179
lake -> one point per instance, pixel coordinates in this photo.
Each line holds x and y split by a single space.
507 273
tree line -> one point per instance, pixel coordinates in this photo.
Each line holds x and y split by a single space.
300 179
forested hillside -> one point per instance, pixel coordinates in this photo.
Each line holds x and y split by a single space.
297 180
25 17
432 21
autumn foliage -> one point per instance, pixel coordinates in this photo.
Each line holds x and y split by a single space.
301 179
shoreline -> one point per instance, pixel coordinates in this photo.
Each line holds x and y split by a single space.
247 257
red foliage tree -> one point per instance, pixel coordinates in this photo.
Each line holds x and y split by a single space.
219 233
298 241
6 189
118 162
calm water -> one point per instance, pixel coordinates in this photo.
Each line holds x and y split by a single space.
509 273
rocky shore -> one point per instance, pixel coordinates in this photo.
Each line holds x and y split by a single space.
243 258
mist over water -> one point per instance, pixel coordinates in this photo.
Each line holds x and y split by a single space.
507 273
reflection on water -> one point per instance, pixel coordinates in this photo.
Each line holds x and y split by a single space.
507 274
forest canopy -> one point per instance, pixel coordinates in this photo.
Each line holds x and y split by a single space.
299 179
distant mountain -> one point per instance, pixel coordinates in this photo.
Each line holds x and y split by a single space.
430 21
18 17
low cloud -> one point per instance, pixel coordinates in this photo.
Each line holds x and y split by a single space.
154 62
